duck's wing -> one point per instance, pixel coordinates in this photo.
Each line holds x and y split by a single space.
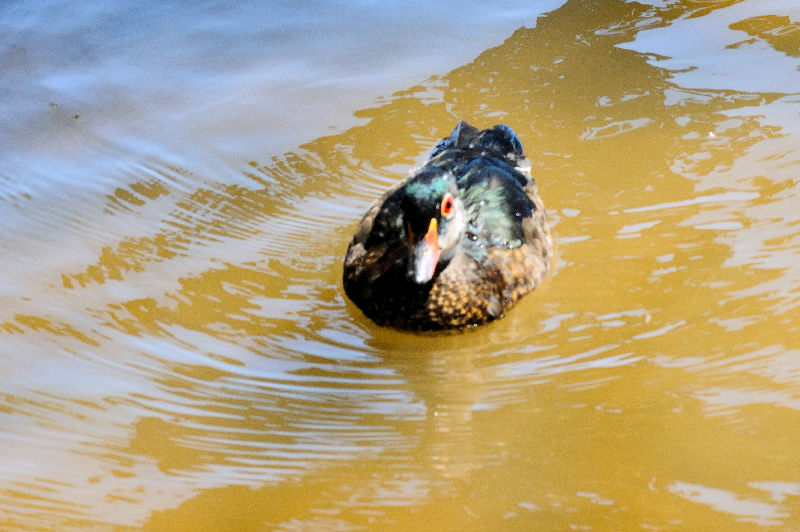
379 241
496 197
508 233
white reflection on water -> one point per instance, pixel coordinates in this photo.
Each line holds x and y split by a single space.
746 509
232 79
698 50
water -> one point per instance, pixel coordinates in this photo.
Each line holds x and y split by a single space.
179 184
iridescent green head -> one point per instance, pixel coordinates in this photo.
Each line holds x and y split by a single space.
435 221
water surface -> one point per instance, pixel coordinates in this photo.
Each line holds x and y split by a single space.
179 185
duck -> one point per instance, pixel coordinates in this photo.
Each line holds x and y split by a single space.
456 243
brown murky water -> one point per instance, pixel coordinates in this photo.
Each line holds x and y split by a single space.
177 351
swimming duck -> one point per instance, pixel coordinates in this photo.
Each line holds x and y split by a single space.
455 244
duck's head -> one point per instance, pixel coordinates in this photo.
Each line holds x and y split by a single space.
435 221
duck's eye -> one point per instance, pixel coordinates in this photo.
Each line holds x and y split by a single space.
447 206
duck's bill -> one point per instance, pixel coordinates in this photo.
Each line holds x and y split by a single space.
425 255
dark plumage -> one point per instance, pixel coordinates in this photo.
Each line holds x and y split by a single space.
455 244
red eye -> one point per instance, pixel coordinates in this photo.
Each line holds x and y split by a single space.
447 206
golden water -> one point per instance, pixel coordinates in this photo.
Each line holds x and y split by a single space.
178 353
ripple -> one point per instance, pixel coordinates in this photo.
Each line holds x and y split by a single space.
177 340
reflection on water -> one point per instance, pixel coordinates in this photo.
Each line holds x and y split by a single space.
178 351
